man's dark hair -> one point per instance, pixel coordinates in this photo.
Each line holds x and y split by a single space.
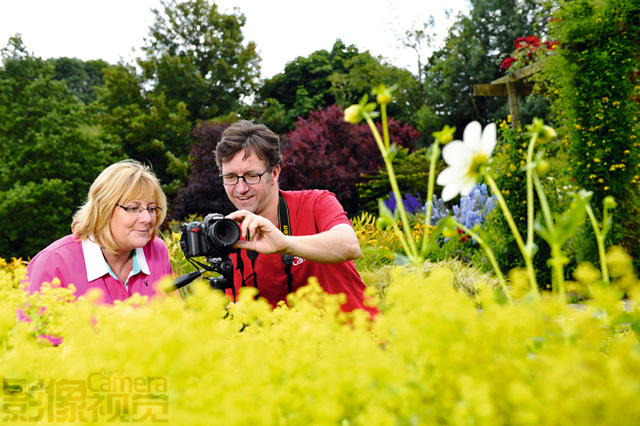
244 135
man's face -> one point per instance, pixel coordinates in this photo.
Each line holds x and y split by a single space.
256 198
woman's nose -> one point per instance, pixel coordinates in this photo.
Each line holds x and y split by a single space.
145 216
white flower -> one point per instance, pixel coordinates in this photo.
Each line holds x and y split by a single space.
466 159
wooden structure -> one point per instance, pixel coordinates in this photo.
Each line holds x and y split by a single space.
511 86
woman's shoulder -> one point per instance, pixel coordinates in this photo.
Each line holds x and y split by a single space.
157 244
64 243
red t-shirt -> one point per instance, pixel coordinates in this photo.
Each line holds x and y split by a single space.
310 212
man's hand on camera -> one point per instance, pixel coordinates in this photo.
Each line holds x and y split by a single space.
335 245
266 238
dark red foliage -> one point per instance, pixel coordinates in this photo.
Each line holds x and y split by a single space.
204 192
322 152
325 152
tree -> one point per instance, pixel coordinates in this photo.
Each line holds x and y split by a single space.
145 125
81 77
326 152
196 55
311 73
46 162
196 68
203 193
340 76
594 84
472 53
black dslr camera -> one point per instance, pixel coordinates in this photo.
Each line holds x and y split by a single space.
213 237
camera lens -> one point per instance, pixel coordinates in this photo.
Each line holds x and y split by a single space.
224 232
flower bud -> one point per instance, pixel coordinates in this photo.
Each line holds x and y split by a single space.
352 114
541 131
384 94
445 135
384 98
542 167
546 134
609 202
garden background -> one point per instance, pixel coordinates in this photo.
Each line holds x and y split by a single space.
63 120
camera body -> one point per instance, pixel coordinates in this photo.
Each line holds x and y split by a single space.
213 237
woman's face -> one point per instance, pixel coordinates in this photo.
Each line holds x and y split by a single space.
133 230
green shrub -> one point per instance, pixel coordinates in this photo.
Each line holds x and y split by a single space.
593 84
412 174
508 164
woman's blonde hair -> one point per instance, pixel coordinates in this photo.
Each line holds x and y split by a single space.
119 183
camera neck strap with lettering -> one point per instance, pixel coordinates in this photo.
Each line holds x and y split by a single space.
285 227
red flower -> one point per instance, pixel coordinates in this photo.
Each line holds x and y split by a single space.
520 42
551 44
507 63
533 41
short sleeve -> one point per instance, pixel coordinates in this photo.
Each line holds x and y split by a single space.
46 266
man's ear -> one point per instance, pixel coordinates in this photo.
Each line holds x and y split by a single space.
276 173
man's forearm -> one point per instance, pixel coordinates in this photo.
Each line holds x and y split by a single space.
339 244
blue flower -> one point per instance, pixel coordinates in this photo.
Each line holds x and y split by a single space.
475 207
411 204
391 202
438 210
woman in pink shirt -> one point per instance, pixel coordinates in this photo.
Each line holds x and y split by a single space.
114 245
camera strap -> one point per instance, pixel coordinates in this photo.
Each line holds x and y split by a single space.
285 227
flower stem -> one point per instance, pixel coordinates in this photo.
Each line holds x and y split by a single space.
407 243
557 258
385 125
530 200
492 260
516 234
431 184
600 240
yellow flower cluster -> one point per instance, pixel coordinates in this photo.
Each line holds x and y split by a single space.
432 357
381 243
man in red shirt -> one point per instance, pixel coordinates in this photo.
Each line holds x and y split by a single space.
298 234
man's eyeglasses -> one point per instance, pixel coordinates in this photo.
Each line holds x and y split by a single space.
136 210
249 178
